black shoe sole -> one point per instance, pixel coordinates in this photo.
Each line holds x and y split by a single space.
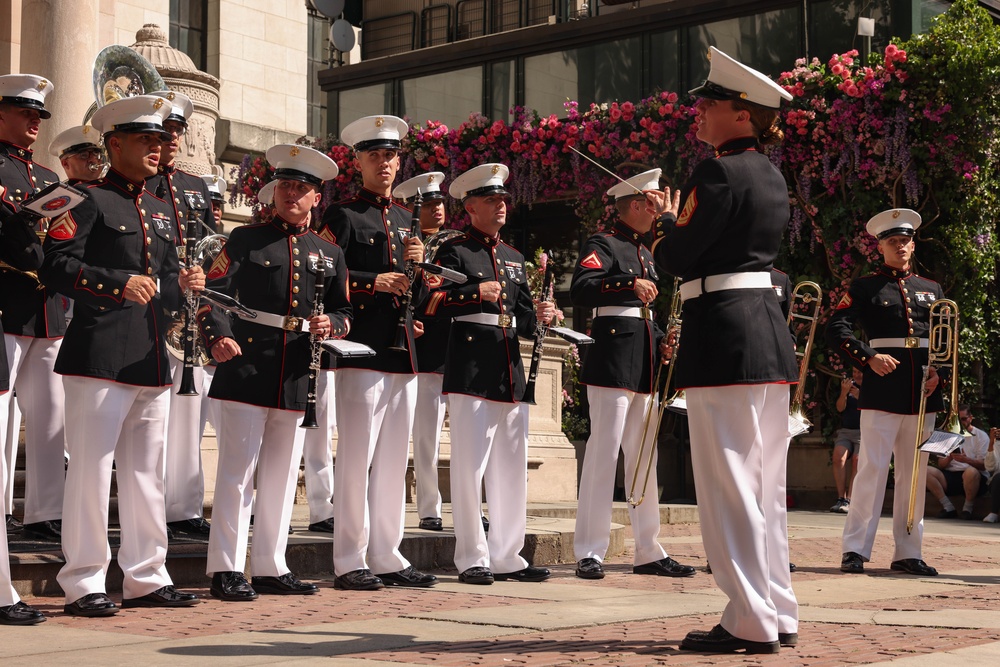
219 595
788 638
659 573
266 590
96 613
589 575
134 604
342 587
400 584
532 580
748 647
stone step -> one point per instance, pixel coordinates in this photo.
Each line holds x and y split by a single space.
548 541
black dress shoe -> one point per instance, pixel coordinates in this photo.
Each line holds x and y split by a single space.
486 525
718 640
589 568
788 638
196 527
665 567
410 577
13 525
527 574
91 605
913 566
168 596
20 614
853 563
324 526
286 584
232 587
791 567
43 530
477 575
947 514
431 523
358 580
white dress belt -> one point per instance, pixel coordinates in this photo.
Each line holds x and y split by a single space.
286 322
624 311
909 342
491 319
692 289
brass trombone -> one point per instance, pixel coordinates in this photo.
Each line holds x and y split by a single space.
809 295
942 352
673 328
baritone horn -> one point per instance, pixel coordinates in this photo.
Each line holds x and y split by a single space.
803 309
673 329
942 352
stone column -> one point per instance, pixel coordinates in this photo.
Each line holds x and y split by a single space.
59 41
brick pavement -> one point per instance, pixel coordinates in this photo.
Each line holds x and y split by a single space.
622 620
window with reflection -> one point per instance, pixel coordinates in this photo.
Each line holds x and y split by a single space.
189 29
501 90
358 102
664 61
448 97
318 50
769 42
599 73
833 26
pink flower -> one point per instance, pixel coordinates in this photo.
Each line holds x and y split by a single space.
837 69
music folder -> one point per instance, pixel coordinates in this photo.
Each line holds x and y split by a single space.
942 443
54 200
572 336
347 348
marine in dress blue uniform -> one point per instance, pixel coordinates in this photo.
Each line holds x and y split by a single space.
114 255
34 321
262 379
616 276
19 248
188 196
428 417
734 356
484 380
379 393
892 307
80 151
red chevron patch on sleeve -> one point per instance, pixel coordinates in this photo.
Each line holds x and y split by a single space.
845 301
690 204
219 266
591 261
327 235
63 228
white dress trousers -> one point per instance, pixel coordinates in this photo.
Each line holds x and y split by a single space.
617 417
8 595
428 420
41 399
209 406
491 445
739 446
376 418
10 419
118 424
886 435
317 453
184 478
269 441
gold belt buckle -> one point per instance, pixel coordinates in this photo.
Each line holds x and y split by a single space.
292 323
911 341
503 321
644 313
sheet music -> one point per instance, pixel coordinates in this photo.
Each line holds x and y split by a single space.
348 348
572 336
942 443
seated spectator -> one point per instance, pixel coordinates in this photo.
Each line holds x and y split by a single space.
992 464
848 440
961 472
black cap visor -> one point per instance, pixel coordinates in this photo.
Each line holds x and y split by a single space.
375 144
287 174
486 191
714 91
138 128
27 103
896 231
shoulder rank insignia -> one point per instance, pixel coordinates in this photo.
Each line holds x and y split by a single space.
219 266
845 301
63 228
690 204
591 261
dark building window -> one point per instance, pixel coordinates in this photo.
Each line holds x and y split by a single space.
189 29
316 99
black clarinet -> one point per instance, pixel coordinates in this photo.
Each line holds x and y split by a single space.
541 330
315 349
190 299
400 344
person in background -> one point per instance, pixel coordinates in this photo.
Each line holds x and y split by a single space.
847 442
